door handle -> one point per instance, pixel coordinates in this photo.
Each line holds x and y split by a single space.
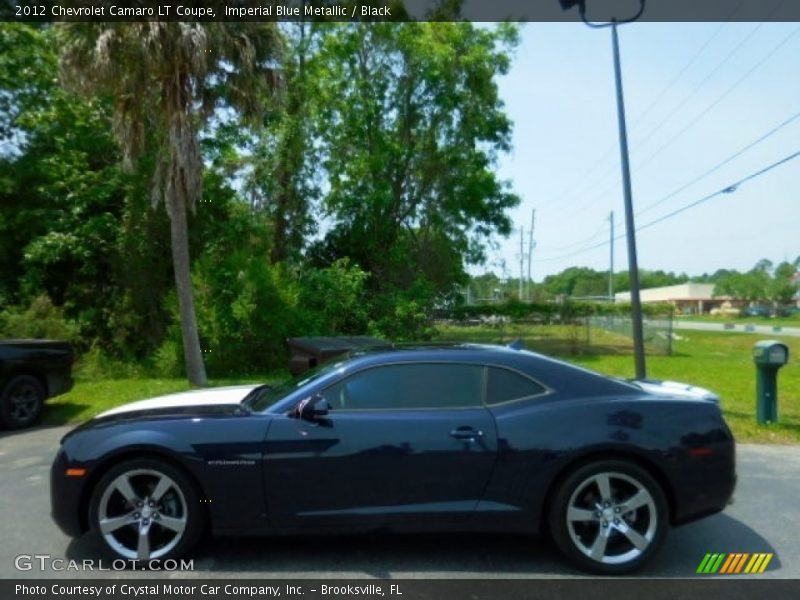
466 433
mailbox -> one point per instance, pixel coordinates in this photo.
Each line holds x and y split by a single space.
769 356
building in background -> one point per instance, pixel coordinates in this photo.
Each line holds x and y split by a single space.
687 298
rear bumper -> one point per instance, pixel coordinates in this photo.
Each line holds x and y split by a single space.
707 483
57 385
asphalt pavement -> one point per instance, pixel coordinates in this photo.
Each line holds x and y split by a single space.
764 518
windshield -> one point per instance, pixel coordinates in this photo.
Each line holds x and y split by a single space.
268 395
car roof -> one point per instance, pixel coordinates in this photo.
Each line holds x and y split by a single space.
554 373
434 351
565 379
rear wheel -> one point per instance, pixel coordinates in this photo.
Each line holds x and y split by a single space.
145 510
609 516
22 402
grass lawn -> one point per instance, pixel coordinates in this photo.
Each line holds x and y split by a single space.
716 360
719 361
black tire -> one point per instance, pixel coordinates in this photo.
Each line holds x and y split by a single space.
22 402
609 516
146 509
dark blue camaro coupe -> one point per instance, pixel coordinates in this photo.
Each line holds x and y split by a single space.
453 438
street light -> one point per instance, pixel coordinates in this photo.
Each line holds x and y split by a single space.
633 267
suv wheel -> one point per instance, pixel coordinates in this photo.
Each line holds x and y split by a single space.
21 402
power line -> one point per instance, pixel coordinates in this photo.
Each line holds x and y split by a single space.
658 98
706 110
719 165
728 189
675 79
699 86
595 235
694 58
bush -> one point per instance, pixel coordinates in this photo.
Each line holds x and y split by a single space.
332 300
405 314
168 359
40 320
96 364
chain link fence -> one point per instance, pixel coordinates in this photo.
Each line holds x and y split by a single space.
657 332
558 336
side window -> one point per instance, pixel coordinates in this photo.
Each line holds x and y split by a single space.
404 386
504 385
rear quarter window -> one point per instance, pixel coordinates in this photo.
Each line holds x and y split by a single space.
504 385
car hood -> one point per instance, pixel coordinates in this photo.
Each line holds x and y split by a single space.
204 401
676 389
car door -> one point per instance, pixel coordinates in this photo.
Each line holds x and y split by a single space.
409 445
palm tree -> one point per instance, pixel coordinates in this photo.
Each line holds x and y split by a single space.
166 81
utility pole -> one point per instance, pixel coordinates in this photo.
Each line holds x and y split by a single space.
611 257
630 230
521 260
530 254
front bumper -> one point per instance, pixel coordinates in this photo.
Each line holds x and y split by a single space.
65 497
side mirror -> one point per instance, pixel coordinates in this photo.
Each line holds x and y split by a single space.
312 408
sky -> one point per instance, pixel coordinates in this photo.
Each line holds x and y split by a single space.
695 95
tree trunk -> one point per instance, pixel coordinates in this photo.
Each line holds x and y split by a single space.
179 232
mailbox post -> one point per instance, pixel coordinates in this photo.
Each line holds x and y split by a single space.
769 356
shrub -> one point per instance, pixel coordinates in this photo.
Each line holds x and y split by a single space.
332 300
39 320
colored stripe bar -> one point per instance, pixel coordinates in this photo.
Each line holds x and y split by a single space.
767 558
749 567
741 562
733 563
703 563
711 563
729 562
715 567
758 563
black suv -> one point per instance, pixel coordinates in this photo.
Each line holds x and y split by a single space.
30 372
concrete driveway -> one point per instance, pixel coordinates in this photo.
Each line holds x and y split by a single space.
764 518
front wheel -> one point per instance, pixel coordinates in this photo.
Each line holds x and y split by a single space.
146 510
609 516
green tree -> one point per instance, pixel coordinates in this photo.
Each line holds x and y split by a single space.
166 81
61 191
410 125
577 281
782 289
752 286
283 182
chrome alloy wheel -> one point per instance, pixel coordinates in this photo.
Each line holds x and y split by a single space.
611 518
142 514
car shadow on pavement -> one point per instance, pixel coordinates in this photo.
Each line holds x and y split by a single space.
686 546
451 555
